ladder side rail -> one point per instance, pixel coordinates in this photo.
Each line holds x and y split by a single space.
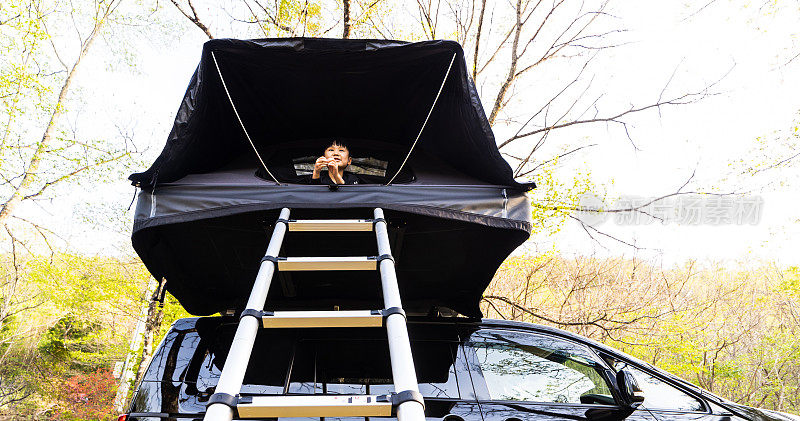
403 372
230 380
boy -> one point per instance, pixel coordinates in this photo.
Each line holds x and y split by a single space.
336 158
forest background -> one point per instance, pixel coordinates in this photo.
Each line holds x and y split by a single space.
619 111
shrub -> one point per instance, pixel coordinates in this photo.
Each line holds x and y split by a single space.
87 396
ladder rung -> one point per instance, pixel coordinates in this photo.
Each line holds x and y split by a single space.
345 318
327 263
314 406
331 225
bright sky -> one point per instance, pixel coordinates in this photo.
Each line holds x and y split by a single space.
756 98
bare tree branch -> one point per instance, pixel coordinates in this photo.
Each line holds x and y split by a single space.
684 99
776 164
429 16
193 17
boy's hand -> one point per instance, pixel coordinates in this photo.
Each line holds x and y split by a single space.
333 167
320 164
333 172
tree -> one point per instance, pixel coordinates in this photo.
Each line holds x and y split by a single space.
775 155
69 318
37 76
356 18
732 331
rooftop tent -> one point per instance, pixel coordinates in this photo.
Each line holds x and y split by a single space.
204 215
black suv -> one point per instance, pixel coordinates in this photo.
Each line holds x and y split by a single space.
468 370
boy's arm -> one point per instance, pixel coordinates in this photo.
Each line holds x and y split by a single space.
336 177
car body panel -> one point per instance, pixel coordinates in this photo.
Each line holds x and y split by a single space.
183 372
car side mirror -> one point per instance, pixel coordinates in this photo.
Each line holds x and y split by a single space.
632 395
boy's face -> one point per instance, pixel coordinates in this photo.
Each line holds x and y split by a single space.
338 154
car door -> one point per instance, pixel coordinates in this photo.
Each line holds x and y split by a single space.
667 400
526 376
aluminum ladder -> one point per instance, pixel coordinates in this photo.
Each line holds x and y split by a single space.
407 402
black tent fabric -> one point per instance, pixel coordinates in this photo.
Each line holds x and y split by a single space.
207 206
299 88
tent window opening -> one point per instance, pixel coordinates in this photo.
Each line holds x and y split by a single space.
366 166
372 164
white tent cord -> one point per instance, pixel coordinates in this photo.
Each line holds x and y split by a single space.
426 119
240 119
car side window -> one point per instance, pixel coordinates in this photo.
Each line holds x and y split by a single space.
264 375
338 366
520 366
658 394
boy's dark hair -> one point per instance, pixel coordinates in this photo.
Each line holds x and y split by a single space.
337 142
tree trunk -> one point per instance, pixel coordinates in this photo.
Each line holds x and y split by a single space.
477 44
155 315
128 371
512 68
346 19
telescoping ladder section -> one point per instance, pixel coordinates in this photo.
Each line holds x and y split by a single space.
406 401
